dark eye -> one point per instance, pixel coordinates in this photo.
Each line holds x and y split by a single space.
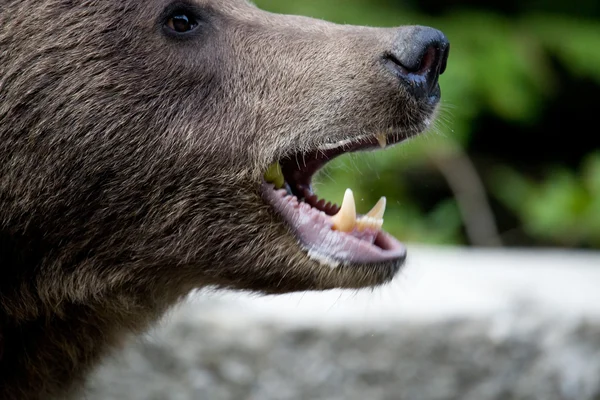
182 22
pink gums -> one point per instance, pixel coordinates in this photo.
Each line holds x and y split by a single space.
313 228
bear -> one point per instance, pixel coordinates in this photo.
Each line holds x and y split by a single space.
152 147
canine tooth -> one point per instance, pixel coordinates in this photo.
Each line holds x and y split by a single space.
345 219
274 175
378 211
382 139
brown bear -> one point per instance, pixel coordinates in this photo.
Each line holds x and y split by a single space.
151 147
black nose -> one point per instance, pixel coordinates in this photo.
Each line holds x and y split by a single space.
418 58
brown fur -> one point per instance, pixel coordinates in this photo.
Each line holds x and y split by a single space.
130 165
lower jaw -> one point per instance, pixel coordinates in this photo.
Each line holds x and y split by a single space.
313 230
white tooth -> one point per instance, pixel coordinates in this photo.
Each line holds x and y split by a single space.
382 139
365 223
345 220
378 211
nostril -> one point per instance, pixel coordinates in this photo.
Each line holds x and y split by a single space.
427 62
418 58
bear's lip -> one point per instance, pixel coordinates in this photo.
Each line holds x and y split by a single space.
310 218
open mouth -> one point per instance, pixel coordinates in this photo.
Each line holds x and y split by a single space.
331 234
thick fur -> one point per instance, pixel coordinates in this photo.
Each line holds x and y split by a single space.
130 164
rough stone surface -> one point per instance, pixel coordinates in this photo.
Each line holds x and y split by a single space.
458 324
195 354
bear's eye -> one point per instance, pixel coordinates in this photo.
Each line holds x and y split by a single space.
182 22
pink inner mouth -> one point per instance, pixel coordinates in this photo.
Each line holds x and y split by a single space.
315 231
310 218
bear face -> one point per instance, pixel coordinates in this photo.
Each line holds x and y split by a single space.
135 148
135 136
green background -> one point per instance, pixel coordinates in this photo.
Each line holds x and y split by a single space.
514 158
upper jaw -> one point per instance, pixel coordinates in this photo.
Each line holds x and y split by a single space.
379 140
382 138
340 142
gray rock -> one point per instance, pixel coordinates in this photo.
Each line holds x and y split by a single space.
510 357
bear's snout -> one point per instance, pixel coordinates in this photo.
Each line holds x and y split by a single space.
417 59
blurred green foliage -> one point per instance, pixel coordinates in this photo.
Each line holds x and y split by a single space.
503 65
564 208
